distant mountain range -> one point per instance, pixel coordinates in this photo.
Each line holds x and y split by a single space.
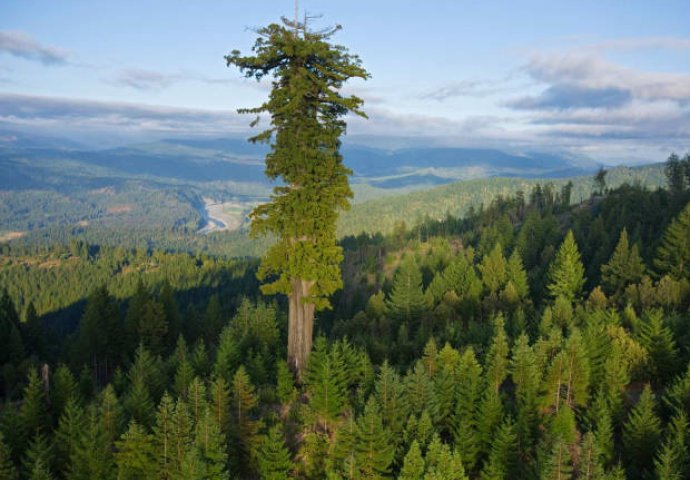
236 160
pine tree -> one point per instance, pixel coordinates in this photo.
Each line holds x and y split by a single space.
466 415
493 269
274 457
406 301
220 404
497 357
326 383
92 455
110 413
673 256
413 466
153 326
341 454
559 464
64 387
672 461
209 446
641 435
418 391
7 469
374 450
306 109
70 426
566 272
502 458
227 355
244 428
33 412
657 339
442 463
389 395
624 267
163 433
197 399
590 466
39 457
135 456
285 388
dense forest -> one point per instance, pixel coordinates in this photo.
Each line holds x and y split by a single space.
528 339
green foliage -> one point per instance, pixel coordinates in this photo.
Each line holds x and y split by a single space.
624 267
306 109
641 436
374 449
566 273
136 455
406 301
7 469
413 466
274 457
673 255
326 383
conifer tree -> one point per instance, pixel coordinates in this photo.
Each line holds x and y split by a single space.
672 460
502 457
285 388
39 457
244 428
673 256
624 267
374 450
466 415
7 469
135 456
306 111
326 383
566 272
110 413
70 426
590 465
442 463
209 446
63 388
220 404
389 395
497 357
559 465
274 457
92 454
406 302
656 337
341 455
163 436
493 269
413 466
641 435
418 389
33 412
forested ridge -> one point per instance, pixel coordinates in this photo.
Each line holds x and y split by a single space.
528 339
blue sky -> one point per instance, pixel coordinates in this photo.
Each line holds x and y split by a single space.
606 79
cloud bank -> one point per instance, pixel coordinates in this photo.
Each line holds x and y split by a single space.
21 45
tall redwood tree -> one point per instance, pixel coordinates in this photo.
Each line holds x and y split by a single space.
306 110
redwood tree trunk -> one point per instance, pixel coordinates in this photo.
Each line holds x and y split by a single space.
300 326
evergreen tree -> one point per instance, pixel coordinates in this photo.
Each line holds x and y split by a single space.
566 273
274 457
502 458
673 256
442 463
326 383
497 357
63 388
493 269
406 302
135 456
413 466
389 395
70 427
672 461
641 435
92 454
209 446
285 388
244 428
374 450
163 432
306 109
465 418
39 457
7 469
33 412
559 464
624 267
656 337
220 404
